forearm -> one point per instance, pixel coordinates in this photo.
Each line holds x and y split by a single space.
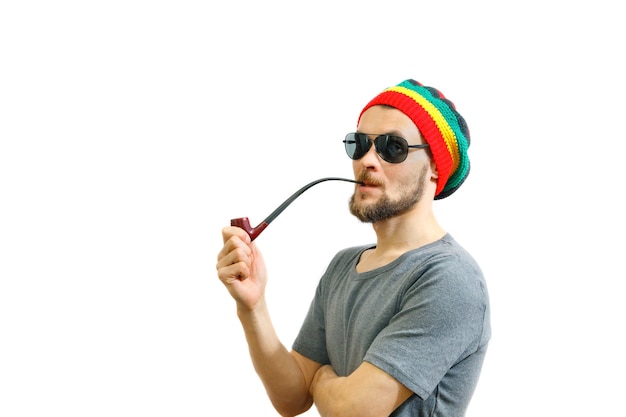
330 395
367 392
278 370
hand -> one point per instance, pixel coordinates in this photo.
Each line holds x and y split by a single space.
241 268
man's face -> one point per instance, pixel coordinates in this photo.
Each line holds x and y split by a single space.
390 189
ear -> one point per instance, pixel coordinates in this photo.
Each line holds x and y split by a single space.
434 173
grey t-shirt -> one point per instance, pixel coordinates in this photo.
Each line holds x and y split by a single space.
423 318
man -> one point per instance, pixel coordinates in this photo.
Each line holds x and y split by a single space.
397 328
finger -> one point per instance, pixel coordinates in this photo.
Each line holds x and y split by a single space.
231 231
233 239
234 261
234 254
228 274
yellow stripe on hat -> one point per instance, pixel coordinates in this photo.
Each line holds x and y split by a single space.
446 131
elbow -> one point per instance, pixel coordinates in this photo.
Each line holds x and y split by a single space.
290 409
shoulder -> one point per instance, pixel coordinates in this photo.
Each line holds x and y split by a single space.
445 264
448 252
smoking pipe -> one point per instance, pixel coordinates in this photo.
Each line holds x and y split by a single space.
254 232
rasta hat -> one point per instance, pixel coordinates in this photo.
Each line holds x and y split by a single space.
443 128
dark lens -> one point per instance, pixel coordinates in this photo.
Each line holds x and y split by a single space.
393 149
357 145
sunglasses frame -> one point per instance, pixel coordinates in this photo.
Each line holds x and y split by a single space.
353 138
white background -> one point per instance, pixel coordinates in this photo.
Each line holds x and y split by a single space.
133 131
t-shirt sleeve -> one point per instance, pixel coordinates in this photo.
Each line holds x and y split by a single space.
311 339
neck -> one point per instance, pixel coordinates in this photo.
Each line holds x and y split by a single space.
408 231
399 235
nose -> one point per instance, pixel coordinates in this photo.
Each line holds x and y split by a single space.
371 159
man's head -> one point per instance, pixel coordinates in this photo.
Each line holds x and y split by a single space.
391 161
441 126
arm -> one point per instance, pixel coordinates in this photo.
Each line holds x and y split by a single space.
368 391
286 376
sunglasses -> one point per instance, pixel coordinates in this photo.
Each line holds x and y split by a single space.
392 149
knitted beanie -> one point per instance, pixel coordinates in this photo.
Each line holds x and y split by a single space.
443 128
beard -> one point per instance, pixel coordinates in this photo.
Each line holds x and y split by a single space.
386 208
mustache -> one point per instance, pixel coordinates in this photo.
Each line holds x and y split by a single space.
369 179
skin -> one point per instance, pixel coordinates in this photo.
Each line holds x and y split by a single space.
293 382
